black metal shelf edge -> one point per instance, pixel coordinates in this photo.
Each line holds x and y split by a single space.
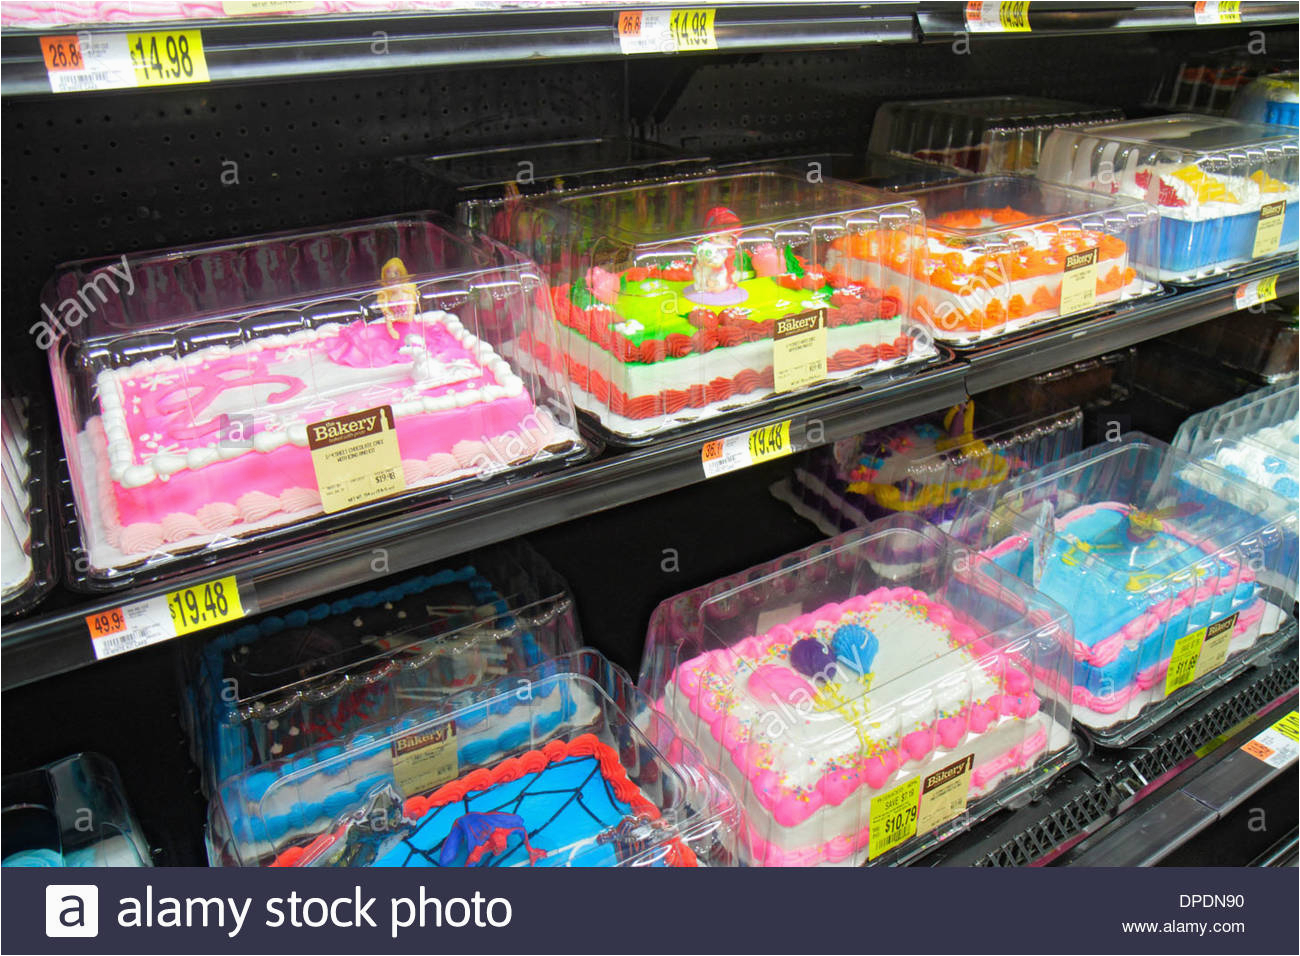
56 641
944 21
1108 785
243 50
1021 357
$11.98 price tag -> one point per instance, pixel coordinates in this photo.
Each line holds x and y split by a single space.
734 452
183 611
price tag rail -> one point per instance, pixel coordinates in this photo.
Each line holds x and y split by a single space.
243 49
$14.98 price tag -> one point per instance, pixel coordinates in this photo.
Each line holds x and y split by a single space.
992 16
89 60
747 448
183 611
666 31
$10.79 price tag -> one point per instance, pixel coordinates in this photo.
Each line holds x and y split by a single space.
747 448
183 611
892 818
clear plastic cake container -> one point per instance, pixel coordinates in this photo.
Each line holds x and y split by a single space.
1272 99
281 683
680 301
1167 583
480 183
565 764
186 381
927 466
866 697
990 135
29 565
1225 192
1007 253
71 813
1256 438
895 174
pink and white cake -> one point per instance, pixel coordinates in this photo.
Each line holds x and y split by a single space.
193 384
214 442
812 719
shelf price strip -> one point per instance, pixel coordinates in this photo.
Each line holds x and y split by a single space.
1209 13
1250 294
153 620
666 31
723 455
1277 745
1007 16
76 63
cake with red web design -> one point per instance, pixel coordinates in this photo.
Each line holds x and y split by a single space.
671 297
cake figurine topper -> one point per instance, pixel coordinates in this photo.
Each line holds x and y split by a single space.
715 280
485 834
1145 525
399 299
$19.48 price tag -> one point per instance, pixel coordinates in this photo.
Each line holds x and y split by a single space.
734 452
183 611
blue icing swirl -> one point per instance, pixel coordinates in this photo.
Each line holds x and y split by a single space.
855 647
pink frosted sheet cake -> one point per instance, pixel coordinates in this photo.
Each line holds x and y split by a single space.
791 718
189 397
173 468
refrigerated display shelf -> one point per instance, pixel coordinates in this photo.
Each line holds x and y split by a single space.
239 50
259 48
1116 787
943 21
55 639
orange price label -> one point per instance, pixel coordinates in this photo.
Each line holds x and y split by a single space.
106 623
711 450
62 53
629 23
1259 750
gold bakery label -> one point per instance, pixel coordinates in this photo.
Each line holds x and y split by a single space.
1268 234
944 793
892 817
356 458
1198 653
424 759
799 350
1079 282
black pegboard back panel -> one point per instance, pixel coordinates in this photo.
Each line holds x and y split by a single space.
102 174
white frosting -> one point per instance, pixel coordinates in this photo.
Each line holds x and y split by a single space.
326 381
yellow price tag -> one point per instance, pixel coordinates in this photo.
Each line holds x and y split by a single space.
1198 653
692 29
771 441
1289 726
205 605
989 16
892 819
168 57
1215 12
